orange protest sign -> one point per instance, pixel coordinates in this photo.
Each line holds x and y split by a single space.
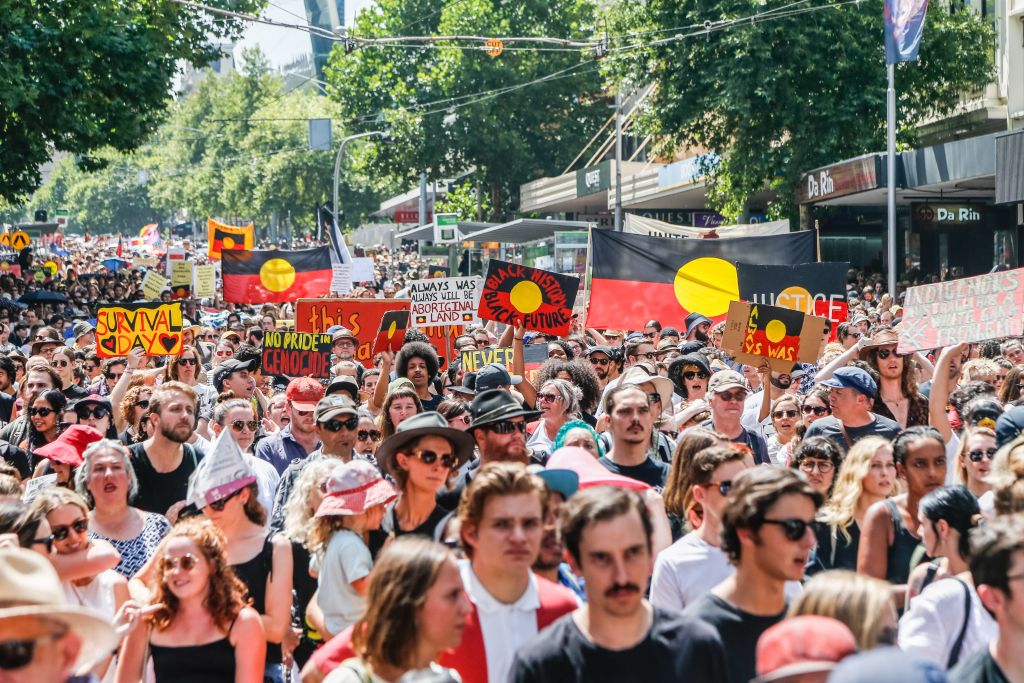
154 326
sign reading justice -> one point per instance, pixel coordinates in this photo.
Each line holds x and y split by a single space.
542 299
155 327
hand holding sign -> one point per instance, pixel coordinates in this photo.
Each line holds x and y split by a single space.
391 334
755 333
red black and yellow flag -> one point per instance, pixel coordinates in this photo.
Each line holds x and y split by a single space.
773 332
229 238
252 277
636 278
541 299
391 334
817 289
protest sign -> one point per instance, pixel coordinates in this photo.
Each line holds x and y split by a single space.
362 269
514 293
181 279
391 333
341 278
754 332
967 310
206 281
817 289
362 317
296 354
153 284
174 255
534 356
445 301
155 327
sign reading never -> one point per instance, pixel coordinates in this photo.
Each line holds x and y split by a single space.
155 327
967 310
296 354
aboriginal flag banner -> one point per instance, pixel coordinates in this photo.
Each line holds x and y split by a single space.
817 289
255 277
543 300
229 237
636 278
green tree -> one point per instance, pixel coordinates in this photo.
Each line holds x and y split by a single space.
78 76
781 95
440 105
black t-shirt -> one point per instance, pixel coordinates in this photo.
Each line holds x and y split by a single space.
978 668
16 458
74 392
829 428
377 537
738 630
6 407
676 648
158 491
650 472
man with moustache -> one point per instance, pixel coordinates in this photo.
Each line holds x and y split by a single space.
164 462
604 362
618 635
630 422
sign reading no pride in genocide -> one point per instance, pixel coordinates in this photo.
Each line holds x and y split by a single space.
155 327
444 301
967 310
296 354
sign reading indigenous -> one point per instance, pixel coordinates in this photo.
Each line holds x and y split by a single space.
445 301
813 288
967 310
391 334
636 278
229 237
362 317
273 276
754 332
541 299
296 354
155 327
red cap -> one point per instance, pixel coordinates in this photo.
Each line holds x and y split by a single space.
803 644
70 445
303 393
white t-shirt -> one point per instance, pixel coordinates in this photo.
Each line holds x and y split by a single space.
346 559
506 628
354 671
930 627
691 567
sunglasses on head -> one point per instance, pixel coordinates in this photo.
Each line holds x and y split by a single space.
239 425
85 412
427 457
79 526
218 505
15 654
817 410
368 435
794 529
40 412
508 427
337 425
187 562
187 361
979 455
784 413
691 374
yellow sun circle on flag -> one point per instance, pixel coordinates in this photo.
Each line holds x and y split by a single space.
526 296
277 275
392 329
707 285
775 330
795 298
228 243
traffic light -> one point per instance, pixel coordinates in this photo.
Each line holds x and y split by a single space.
40 216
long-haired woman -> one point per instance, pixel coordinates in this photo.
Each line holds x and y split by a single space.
867 475
400 404
201 630
128 418
974 459
1010 392
684 512
44 414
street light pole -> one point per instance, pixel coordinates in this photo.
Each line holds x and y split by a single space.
337 164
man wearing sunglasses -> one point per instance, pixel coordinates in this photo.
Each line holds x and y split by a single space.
851 397
299 438
639 348
42 638
727 394
767 535
602 359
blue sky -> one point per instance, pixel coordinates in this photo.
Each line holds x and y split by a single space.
283 45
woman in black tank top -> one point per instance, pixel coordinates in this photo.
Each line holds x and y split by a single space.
201 630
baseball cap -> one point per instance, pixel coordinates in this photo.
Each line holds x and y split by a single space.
343 383
725 380
494 375
599 349
332 406
852 378
803 644
303 393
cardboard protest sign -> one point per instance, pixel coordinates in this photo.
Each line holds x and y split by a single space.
362 317
391 334
756 331
817 289
542 299
174 255
206 281
296 354
445 301
155 327
181 280
153 284
967 310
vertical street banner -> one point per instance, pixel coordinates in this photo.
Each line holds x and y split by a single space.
539 298
755 332
225 237
904 26
205 281
971 309
817 289
296 354
155 327
444 301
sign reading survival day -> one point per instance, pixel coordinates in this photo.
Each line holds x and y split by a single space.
155 327
542 299
444 301
971 309
296 354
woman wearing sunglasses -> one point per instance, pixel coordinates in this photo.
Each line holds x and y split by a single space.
63 362
785 419
201 629
558 402
814 406
974 459
128 420
236 415
45 410
420 457
690 375
187 368
94 411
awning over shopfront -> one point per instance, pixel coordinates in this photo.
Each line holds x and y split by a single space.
583 191
525 230
426 232
1010 168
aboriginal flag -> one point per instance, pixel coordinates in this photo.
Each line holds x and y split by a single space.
817 289
771 329
541 299
391 334
636 278
229 238
256 277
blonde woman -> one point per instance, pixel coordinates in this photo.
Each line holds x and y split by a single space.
867 475
974 459
861 602
1007 478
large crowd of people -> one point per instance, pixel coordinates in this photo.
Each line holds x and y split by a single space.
640 507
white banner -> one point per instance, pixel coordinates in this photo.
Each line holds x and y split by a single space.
638 225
